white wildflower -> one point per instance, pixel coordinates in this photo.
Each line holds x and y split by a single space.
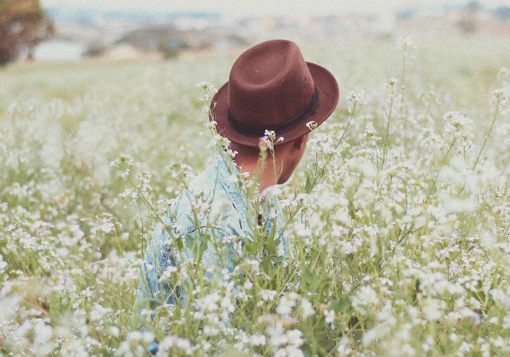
306 308
329 316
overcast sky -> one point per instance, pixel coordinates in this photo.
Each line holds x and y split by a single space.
263 7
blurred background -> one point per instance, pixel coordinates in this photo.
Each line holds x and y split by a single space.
109 30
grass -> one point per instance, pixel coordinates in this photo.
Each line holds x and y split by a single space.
400 246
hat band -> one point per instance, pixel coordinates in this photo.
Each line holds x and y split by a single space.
257 131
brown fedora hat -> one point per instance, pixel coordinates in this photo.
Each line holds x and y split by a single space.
271 87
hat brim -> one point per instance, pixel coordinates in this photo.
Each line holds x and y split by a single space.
329 93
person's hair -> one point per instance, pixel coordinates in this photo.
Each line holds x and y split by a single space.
254 150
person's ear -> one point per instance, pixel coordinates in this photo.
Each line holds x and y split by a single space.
300 143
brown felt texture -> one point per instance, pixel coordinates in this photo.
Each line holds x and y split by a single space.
268 84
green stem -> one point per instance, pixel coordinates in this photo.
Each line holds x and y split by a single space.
488 134
386 141
402 101
439 170
320 176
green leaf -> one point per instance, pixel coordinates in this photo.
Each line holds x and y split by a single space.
267 265
278 259
269 243
308 186
341 304
148 303
308 279
178 311
179 244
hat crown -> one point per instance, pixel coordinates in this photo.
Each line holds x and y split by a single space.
269 83
271 87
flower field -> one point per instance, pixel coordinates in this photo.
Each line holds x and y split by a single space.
398 216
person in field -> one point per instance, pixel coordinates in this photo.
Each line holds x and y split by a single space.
271 90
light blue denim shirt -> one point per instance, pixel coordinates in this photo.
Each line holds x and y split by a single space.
213 205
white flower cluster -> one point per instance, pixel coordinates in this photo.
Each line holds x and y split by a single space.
397 218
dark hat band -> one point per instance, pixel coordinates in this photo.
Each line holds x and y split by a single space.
257 131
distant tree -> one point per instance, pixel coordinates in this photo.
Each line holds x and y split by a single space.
502 12
474 6
96 48
469 23
23 25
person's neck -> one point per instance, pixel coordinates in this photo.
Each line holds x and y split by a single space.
265 175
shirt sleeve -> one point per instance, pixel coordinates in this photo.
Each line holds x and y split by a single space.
212 246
